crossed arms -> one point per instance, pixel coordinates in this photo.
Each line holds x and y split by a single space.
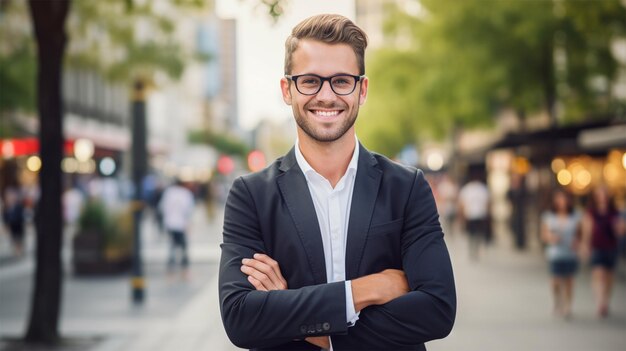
398 309
375 289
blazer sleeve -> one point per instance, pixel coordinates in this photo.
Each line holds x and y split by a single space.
254 318
428 311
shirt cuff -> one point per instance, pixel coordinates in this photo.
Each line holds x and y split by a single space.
351 315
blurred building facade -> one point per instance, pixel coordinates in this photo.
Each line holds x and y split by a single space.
98 109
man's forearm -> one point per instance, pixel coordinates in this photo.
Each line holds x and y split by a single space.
252 318
412 319
378 288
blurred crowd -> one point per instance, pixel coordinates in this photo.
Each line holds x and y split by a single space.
573 231
18 203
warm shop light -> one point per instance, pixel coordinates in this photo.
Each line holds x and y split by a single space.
564 177
434 161
611 172
582 179
83 149
33 163
69 165
521 165
87 167
557 165
624 160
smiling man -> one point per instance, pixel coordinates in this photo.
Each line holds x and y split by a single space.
332 246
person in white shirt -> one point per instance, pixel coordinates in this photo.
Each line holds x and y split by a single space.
177 205
474 212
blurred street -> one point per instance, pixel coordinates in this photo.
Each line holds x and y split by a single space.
97 313
503 302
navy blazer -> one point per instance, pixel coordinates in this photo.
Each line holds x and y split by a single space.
393 224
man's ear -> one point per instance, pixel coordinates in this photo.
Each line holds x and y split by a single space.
363 91
284 88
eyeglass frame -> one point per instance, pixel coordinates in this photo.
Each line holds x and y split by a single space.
294 79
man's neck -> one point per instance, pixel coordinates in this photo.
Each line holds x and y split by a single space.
330 160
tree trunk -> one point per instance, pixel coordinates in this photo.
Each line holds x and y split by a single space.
48 19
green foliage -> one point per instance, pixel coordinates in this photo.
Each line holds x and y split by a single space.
94 217
222 142
17 59
116 228
120 238
17 79
456 63
275 8
127 40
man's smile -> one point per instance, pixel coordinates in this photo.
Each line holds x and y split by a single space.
326 114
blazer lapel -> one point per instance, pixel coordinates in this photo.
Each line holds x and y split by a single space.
364 196
295 192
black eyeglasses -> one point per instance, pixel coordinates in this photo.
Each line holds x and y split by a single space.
311 84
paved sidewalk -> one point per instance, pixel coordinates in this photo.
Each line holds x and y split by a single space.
178 314
504 303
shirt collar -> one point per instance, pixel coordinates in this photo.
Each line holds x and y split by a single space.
307 169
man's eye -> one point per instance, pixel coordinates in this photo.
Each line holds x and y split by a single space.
310 81
341 81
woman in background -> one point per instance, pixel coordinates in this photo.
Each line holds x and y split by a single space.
601 227
559 230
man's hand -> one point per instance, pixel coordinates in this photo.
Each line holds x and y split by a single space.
378 288
319 341
264 273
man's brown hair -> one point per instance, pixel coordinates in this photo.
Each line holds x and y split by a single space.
330 29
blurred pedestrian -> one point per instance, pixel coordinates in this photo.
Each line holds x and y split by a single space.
72 200
13 216
447 193
155 200
517 197
601 228
177 205
620 205
474 213
560 229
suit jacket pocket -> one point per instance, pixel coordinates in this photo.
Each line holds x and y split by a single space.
383 248
387 228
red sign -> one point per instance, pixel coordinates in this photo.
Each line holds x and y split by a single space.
225 165
256 160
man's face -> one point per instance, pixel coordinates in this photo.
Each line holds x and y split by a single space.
325 116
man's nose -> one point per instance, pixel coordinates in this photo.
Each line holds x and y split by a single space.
326 92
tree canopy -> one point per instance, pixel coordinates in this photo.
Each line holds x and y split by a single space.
17 65
455 64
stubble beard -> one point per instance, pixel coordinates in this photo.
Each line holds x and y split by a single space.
321 135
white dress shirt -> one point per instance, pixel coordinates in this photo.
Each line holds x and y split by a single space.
332 207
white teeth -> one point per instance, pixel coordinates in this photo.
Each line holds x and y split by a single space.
326 113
